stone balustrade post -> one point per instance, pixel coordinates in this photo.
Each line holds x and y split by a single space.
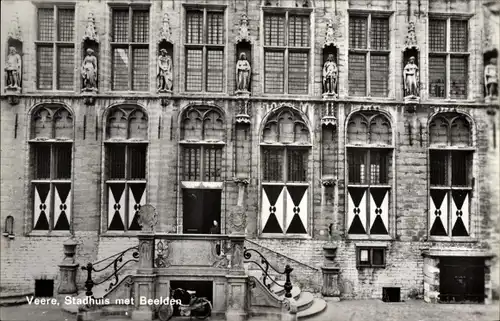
68 268
237 281
144 281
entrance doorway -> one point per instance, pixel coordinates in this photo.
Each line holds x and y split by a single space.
461 279
201 207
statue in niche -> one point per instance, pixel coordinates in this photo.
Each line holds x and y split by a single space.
243 73
13 69
411 78
491 78
89 71
330 75
164 71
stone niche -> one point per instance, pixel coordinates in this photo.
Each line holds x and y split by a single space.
328 50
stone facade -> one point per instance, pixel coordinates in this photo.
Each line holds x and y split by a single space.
35 254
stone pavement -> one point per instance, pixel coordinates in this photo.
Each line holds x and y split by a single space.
348 310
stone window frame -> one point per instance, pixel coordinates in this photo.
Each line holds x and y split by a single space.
205 46
52 140
369 263
286 49
448 53
308 224
55 44
202 144
391 175
129 110
368 51
472 184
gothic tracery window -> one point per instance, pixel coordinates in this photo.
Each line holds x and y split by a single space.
285 150
450 173
126 148
51 147
369 163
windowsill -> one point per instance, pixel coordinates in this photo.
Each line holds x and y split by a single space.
363 237
368 146
283 236
459 239
55 91
369 98
201 142
372 243
452 148
120 233
50 233
203 94
432 100
202 185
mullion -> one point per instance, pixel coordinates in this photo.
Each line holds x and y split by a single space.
130 40
368 54
54 52
285 56
202 163
204 40
125 190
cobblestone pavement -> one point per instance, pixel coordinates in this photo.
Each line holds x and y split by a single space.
349 310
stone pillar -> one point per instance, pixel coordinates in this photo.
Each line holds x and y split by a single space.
67 269
330 286
144 281
431 279
236 281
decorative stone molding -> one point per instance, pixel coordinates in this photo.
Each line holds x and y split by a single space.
328 118
147 218
162 253
332 33
221 260
165 31
14 31
90 30
241 180
243 32
411 37
328 181
243 116
237 220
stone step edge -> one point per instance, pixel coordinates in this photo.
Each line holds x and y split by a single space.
318 306
14 298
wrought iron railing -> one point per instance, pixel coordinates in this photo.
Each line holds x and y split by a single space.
117 264
264 265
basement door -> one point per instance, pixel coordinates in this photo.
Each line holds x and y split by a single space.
461 279
200 208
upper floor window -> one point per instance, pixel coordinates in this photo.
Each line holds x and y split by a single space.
204 50
55 48
130 49
285 150
369 163
369 51
448 58
51 150
125 171
450 175
287 45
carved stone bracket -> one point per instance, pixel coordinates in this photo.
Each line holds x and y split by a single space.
243 116
165 31
165 101
328 181
411 37
12 95
243 33
90 30
329 118
89 96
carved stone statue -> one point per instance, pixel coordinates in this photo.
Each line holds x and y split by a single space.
411 78
89 71
330 75
491 78
13 69
164 71
243 73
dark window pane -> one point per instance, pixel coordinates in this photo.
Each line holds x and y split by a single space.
191 163
42 161
379 75
120 25
437 76
274 30
136 161
357 74
458 77
273 164
297 72
379 167
274 71
116 161
45 67
459 36
356 162
212 163
215 31
194 27
357 32
65 67
66 24
298 31
460 168
62 158
438 167
194 72
120 69
437 35
140 79
45 24
379 34
215 70
297 165
140 25
378 257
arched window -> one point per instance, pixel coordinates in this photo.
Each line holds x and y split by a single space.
126 148
202 143
450 161
51 147
285 150
369 163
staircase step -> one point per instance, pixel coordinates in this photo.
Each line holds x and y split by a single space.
280 291
305 300
14 298
317 306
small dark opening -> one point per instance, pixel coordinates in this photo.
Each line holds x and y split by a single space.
203 289
391 294
44 288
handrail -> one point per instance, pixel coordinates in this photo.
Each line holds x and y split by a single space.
90 267
287 285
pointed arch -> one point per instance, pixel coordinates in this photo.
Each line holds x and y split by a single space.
450 129
125 122
285 125
202 123
51 121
